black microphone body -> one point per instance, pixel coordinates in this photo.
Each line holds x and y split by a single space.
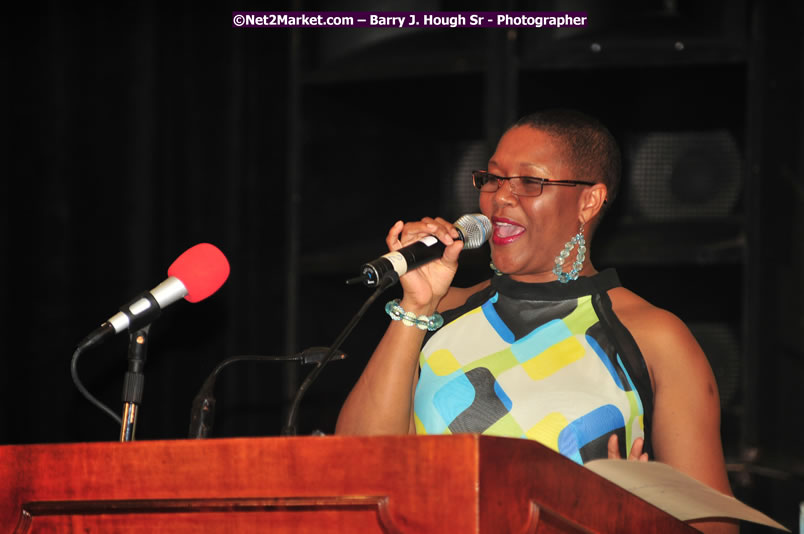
473 229
406 258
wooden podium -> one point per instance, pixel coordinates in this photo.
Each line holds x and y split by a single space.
400 484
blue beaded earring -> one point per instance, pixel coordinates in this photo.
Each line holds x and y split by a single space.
577 266
495 269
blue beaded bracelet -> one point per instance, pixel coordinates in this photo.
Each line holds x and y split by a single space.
433 322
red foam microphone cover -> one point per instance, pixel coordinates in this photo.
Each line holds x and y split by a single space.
202 269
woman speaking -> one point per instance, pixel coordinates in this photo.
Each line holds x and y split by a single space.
548 348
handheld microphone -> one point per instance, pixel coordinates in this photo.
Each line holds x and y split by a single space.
195 275
474 229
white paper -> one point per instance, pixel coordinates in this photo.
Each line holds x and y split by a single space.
678 494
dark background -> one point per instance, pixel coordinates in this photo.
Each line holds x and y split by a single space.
135 133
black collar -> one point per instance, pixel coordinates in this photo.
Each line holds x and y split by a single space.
585 285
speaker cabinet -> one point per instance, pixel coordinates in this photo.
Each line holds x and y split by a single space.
676 176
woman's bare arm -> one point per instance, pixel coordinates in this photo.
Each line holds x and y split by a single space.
685 431
382 400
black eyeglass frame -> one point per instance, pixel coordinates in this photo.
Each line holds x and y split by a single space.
541 181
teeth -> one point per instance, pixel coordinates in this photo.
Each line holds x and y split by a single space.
503 229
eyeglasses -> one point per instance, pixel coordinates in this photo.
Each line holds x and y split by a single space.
523 186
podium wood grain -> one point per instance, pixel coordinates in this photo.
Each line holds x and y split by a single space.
398 484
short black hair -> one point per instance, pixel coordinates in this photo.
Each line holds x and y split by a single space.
590 147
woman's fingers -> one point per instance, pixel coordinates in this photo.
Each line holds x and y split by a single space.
452 252
636 454
448 227
613 448
392 239
402 234
437 227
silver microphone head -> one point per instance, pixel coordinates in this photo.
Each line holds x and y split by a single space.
475 228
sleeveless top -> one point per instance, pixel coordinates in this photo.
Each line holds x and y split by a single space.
549 362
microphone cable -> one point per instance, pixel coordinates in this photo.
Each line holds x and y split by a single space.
85 392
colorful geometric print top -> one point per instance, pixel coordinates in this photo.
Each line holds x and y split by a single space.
549 362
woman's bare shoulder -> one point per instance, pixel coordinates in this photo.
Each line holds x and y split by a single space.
637 313
663 338
457 296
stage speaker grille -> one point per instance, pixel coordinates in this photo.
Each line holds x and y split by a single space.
683 175
459 160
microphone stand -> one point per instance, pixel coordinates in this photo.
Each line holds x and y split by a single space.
133 382
202 414
386 281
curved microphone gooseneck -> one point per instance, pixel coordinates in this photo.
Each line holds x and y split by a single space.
202 414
